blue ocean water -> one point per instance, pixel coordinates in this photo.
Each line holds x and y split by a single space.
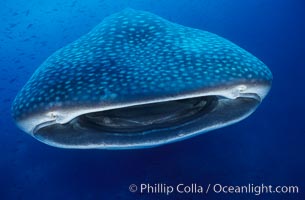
266 148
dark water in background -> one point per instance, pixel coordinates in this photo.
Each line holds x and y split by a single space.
268 147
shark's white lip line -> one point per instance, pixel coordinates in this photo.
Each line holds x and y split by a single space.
135 58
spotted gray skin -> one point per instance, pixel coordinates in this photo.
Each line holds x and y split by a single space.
137 58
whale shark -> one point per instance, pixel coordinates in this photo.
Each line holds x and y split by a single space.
137 80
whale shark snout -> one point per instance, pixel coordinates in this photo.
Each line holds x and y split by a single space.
137 80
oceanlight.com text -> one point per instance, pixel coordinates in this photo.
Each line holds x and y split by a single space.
195 188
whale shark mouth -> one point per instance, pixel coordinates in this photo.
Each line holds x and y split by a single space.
135 119
149 124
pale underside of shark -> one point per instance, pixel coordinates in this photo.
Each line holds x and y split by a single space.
137 80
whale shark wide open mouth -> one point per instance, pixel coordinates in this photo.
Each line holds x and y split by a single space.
149 124
148 116
137 80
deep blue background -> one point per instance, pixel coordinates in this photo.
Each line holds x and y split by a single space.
268 147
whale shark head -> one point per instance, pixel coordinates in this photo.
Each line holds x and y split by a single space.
137 80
